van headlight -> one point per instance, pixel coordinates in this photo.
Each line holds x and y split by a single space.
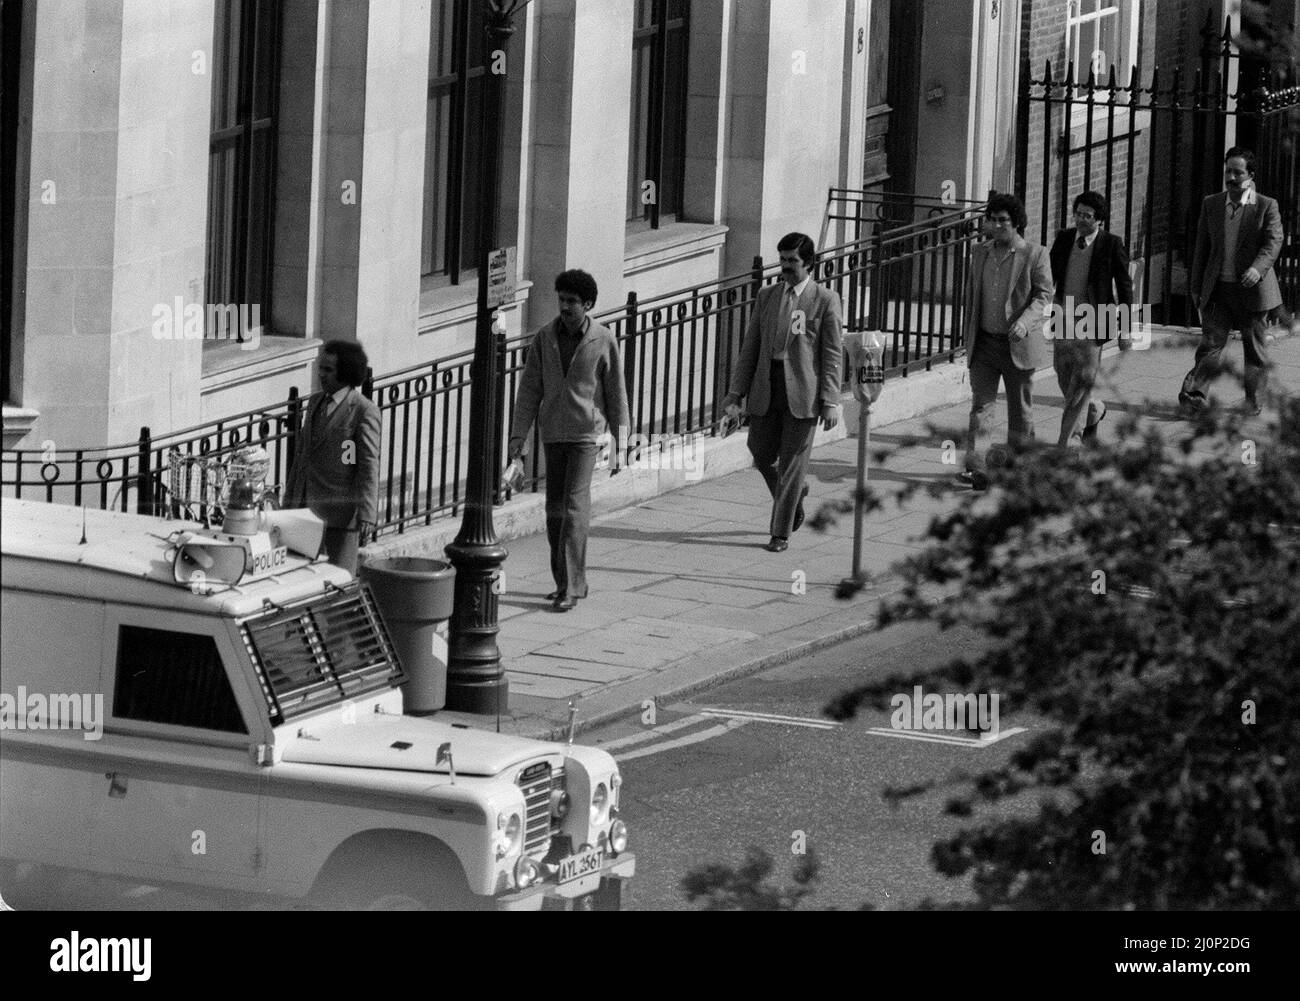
527 872
509 834
618 837
599 803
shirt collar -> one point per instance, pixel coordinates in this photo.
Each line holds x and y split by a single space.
562 331
1087 240
798 289
1248 198
340 394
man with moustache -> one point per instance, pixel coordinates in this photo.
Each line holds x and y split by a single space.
1238 239
1090 269
789 375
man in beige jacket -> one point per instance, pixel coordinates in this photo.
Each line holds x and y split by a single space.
573 388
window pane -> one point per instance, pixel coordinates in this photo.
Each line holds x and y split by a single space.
674 122
639 132
171 677
472 175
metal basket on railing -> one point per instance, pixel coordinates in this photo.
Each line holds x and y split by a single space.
196 485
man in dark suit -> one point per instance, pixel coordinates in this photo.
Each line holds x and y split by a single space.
1238 239
1008 295
1089 269
789 375
336 456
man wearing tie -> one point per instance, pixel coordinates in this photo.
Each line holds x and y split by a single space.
336 456
1238 239
789 375
1090 269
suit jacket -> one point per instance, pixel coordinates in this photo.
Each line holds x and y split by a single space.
1108 277
1029 301
812 359
340 492
1259 241
577 406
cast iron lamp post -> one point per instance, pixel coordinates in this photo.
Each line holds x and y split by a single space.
476 681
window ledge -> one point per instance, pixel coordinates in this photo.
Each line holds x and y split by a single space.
18 423
1125 122
648 248
447 305
226 363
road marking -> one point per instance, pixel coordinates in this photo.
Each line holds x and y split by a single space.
815 724
641 738
690 738
941 738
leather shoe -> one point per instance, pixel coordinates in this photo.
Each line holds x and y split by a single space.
1090 431
973 479
564 603
554 594
1250 408
1190 407
798 510
777 545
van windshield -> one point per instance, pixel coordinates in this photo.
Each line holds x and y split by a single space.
320 652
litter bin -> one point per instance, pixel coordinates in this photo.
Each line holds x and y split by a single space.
414 596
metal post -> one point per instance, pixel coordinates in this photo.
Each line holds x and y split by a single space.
476 681
858 577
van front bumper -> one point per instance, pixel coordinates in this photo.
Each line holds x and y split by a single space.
623 867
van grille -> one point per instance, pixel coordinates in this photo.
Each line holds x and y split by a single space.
535 784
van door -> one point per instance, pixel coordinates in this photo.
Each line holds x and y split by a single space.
51 651
180 793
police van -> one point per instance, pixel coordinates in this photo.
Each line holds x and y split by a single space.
247 740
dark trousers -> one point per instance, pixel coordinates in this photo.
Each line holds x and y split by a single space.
1077 363
991 363
1227 311
340 545
781 443
569 466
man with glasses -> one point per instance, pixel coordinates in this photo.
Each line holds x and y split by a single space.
1238 240
1008 295
1090 269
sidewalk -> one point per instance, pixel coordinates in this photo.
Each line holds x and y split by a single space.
683 595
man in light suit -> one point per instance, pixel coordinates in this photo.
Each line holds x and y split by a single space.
789 374
1008 295
336 456
1089 269
1238 239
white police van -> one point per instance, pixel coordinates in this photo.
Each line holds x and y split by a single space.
248 741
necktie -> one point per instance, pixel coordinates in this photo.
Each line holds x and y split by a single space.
784 317
1082 244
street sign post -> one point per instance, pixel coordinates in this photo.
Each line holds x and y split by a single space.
501 277
866 354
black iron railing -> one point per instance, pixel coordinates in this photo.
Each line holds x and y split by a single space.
678 353
1156 151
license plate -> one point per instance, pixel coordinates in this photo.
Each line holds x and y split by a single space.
577 866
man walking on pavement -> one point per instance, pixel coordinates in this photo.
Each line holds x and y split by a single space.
1238 239
1090 269
573 387
1008 295
335 468
789 375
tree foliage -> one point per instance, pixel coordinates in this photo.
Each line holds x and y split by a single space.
1143 598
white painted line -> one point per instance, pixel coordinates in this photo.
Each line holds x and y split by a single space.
690 738
651 734
816 724
942 738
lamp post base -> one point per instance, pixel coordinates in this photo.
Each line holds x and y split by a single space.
476 681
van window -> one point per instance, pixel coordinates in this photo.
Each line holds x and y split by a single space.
177 678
